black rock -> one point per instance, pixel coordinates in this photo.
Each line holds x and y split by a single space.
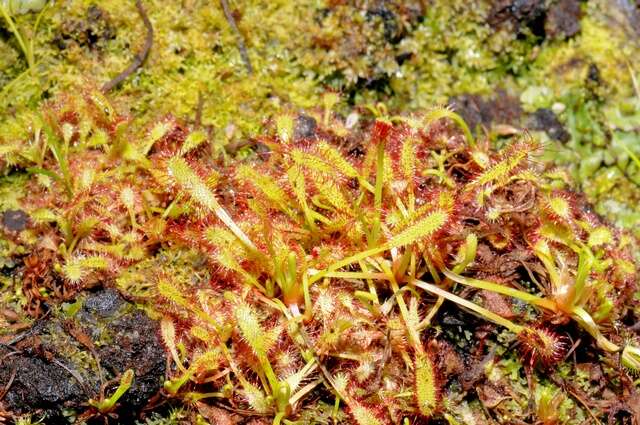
563 19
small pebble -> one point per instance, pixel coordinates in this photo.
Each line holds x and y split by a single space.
352 120
305 127
558 107
15 220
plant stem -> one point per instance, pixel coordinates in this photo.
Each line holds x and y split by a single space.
377 203
483 312
585 320
14 29
414 337
585 263
578 314
356 275
504 290
346 261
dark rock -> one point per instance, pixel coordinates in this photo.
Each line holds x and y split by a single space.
38 385
104 303
473 109
478 111
136 345
545 120
522 14
563 19
90 32
15 220
305 127
51 375
505 109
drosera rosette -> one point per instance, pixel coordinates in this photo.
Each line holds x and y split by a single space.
539 344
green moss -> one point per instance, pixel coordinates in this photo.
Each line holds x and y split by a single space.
194 53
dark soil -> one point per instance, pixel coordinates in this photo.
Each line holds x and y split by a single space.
38 384
545 120
52 366
479 111
555 19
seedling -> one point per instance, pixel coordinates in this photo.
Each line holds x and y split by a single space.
106 405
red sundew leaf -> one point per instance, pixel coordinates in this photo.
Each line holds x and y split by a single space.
380 131
542 345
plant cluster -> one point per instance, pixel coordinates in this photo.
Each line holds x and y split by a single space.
408 54
316 270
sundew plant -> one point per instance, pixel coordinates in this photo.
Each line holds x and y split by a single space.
314 277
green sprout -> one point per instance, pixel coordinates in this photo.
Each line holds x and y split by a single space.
106 405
